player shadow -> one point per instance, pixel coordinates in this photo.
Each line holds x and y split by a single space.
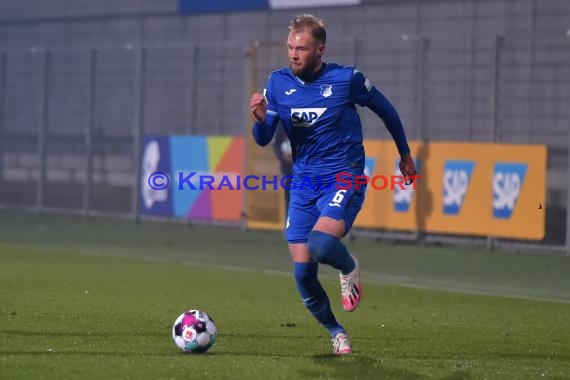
365 365
357 365
424 201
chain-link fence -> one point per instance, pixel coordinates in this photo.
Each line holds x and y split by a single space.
71 120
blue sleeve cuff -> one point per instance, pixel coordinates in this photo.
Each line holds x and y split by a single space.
262 133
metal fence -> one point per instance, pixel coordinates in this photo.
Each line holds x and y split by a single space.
71 120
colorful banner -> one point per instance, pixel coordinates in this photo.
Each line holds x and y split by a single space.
171 164
494 190
465 188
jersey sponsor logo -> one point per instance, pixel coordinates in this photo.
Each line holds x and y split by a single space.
290 91
326 90
305 117
456 179
508 179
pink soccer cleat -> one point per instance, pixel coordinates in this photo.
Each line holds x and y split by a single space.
351 288
341 344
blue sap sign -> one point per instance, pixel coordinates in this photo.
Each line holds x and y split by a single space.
456 179
369 166
403 197
508 180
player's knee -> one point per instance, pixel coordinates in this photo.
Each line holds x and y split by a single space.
320 244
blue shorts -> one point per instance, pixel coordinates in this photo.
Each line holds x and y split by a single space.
308 204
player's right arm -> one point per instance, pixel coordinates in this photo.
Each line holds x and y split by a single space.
264 111
365 94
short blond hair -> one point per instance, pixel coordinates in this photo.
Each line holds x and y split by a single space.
313 24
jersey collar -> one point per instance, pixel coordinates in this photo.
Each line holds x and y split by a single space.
313 77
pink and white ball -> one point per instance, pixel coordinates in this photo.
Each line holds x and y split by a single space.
194 331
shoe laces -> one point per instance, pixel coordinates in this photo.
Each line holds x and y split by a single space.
346 282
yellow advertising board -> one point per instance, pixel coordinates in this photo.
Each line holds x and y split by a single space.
372 214
465 188
519 170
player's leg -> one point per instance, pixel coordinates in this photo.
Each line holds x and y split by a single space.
312 292
338 212
315 298
302 217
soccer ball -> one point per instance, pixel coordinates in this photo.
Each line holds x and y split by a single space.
194 331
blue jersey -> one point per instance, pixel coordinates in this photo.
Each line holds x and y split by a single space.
321 120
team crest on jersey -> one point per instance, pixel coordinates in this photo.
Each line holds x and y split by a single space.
326 90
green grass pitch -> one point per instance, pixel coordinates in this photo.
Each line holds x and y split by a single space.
96 299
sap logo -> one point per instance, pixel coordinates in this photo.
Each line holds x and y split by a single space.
456 178
369 166
305 117
508 179
403 197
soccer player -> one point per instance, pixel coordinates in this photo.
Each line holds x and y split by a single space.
316 103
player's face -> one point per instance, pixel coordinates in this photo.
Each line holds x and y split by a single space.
304 53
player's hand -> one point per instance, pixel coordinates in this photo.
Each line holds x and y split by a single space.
408 168
258 107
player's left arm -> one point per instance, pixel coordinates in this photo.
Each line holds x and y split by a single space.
363 93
